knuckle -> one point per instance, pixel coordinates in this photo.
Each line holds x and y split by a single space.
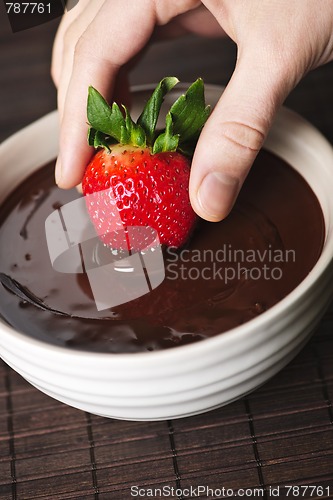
166 10
245 138
70 36
82 48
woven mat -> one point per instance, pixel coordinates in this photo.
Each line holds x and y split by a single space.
282 434
279 436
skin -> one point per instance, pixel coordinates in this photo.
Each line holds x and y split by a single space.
278 42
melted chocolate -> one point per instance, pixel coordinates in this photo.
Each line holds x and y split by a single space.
229 273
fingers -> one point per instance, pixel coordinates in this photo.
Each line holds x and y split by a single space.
74 31
116 33
200 21
278 43
68 18
73 25
233 135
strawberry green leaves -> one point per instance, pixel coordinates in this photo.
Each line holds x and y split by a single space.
110 122
184 120
189 113
98 139
103 118
135 133
166 141
149 116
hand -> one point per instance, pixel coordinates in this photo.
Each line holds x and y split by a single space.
278 43
95 42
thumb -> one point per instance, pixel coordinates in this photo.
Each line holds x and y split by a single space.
233 136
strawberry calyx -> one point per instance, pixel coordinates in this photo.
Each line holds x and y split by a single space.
109 124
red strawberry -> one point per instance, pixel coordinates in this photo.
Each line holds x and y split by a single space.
140 178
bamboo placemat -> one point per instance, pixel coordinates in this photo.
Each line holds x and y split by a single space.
280 435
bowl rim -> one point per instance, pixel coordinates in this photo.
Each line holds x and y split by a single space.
229 337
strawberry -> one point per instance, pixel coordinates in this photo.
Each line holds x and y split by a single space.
139 177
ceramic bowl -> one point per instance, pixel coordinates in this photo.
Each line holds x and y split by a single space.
198 377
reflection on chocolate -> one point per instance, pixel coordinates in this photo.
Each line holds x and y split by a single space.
229 273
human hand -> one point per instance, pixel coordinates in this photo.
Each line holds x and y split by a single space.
278 43
95 42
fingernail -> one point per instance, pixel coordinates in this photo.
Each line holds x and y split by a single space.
58 172
217 194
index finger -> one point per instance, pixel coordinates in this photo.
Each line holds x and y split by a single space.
119 31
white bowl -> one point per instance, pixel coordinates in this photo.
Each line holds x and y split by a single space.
194 378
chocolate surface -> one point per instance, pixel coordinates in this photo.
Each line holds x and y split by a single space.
229 272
